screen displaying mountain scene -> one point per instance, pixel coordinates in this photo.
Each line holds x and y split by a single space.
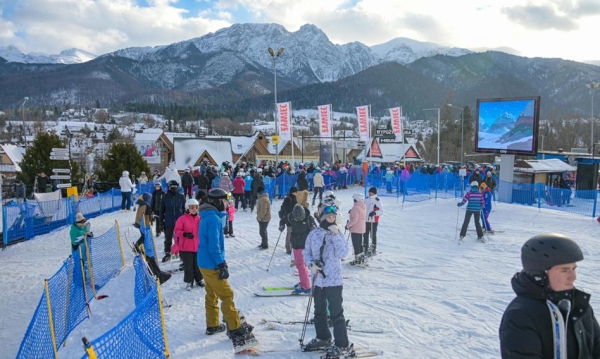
508 125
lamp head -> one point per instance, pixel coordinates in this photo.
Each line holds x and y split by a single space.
271 52
280 51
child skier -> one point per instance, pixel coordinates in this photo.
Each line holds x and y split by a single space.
230 216
186 229
357 225
487 209
324 249
79 230
474 206
301 223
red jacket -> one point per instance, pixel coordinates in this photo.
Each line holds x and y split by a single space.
238 185
187 223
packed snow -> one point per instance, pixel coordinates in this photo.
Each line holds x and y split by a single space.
432 297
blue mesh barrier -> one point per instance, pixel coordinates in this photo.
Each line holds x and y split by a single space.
149 247
144 282
37 342
32 218
105 256
68 308
139 335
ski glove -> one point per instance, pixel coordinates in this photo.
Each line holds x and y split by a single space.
314 268
281 227
188 235
372 214
334 228
79 239
223 272
460 204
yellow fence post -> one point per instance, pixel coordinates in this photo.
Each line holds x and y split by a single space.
50 318
83 276
89 264
162 319
120 244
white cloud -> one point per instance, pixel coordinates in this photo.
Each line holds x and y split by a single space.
549 28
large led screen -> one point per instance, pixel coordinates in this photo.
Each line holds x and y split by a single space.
507 125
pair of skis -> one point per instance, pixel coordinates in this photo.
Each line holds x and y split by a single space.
276 324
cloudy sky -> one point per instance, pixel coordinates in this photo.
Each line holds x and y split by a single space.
548 28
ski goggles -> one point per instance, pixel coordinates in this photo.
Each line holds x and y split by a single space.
330 209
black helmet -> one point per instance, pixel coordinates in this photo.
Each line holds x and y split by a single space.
546 250
217 193
173 183
298 213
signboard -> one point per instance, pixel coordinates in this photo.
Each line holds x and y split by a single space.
60 177
65 158
60 150
356 145
61 170
408 132
275 139
59 153
63 185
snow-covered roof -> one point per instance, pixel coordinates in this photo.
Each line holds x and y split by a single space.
148 135
187 150
239 144
549 165
172 135
15 153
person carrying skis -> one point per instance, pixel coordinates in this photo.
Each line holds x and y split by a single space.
487 208
212 264
374 210
186 230
357 223
300 223
550 317
474 206
324 249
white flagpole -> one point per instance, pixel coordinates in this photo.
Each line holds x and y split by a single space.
402 129
331 134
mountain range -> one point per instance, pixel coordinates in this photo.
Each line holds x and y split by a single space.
232 70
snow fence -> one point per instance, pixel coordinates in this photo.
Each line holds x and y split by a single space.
67 293
142 334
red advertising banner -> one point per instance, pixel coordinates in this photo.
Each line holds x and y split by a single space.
284 114
324 120
396 114
363 122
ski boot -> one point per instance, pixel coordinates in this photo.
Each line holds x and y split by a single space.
336 352
214 330
167 257
316 345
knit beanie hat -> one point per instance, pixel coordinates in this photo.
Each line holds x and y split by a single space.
373 190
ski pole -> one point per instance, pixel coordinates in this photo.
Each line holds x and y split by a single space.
310 299
457 213
276 243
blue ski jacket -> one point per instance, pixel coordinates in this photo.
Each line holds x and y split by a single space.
211 250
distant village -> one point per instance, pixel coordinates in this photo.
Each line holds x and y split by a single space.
186 144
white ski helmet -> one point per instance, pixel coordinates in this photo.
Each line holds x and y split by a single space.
241 174
191 202
329 194
259 170
358 197
474 184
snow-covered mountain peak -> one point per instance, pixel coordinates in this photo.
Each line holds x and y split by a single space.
71 56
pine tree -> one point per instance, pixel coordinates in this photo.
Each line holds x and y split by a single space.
122 157
37 158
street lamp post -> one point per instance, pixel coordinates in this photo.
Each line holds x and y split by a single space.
275 56
23 119
462 134
592 86
438 132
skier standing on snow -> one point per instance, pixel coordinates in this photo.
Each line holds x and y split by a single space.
549 318
155 205
263 216
238 190
324 249
474 206
318 184
248 197
374 210
126 191
286 208
487 208
300 223
211 260
357 223
79 230
186 230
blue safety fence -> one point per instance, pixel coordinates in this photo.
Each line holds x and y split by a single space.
542 196
142 334
66 295
33 218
